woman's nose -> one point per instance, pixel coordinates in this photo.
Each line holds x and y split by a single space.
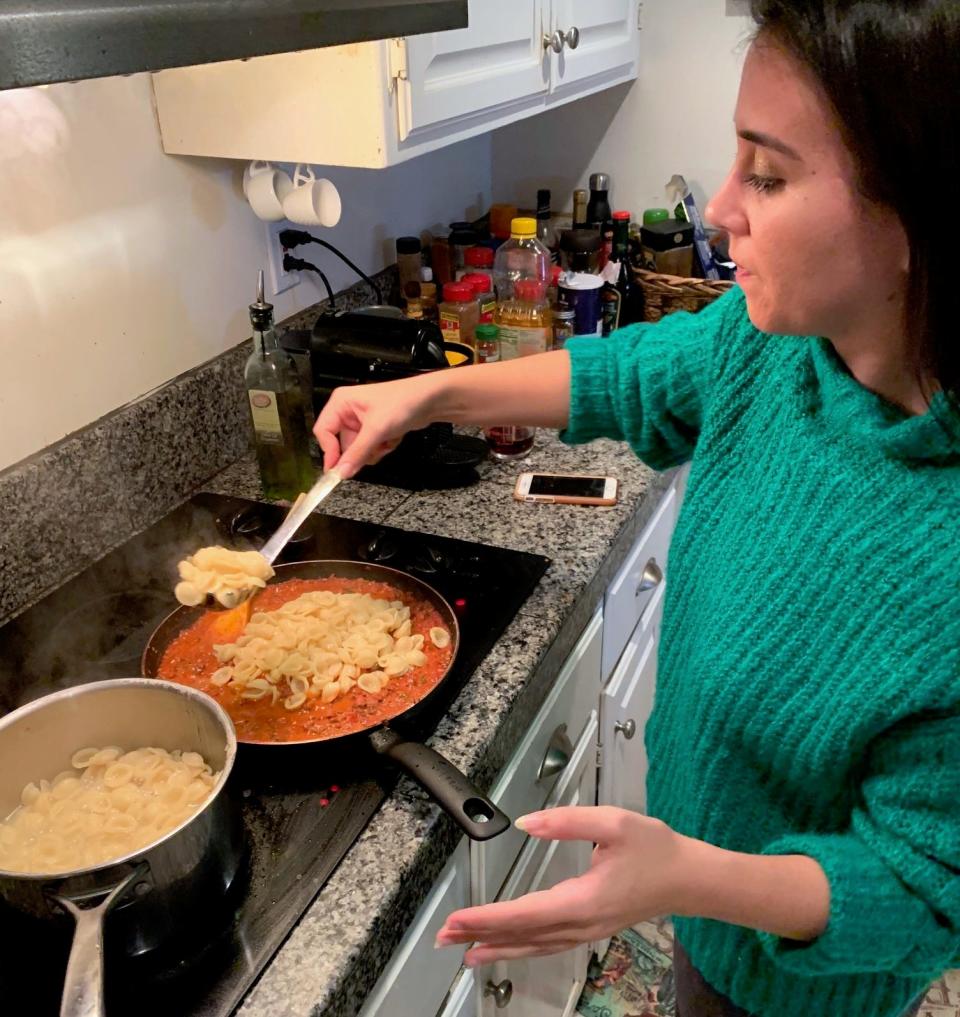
725 210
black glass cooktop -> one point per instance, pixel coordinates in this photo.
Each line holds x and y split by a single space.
300 814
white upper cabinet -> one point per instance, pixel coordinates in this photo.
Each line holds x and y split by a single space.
499 60
605 34
376 104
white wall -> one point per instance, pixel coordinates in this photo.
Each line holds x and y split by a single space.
676 118
121 267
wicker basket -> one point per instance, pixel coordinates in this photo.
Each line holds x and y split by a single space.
663 294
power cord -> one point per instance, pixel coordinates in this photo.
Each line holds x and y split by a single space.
289 239
292 264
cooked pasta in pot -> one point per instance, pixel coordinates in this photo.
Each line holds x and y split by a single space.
108 805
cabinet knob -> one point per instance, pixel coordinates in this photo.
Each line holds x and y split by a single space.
573 37
555 42
558 754
628 728
502 993
652 577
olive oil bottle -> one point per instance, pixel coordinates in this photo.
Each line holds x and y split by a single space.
276 397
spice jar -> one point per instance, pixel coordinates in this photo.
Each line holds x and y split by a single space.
459 314
462 238
482 285
488 344
477 259
409 260
428 294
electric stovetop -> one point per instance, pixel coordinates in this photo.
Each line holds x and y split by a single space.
300 818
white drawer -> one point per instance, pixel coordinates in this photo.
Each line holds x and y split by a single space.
418 977
518 789
626 600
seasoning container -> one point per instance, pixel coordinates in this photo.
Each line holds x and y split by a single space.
428 294
462 238
582 292
459 314
501 217
482 284
440 262
564 326
477 259
488 344
409 260
667 247
412 296
580 250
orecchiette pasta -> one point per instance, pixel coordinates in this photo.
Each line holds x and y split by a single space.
223 574
322 644
110 804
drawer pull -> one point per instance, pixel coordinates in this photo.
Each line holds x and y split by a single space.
502 993
652 577
556 42
628 729
573 37
557 756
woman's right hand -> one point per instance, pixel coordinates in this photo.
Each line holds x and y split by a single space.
362 423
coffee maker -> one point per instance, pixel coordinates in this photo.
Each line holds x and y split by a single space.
379 344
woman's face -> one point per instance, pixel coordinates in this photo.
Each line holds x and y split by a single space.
814 256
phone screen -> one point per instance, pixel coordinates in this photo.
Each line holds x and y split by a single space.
567 487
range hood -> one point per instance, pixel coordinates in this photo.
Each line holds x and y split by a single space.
66 40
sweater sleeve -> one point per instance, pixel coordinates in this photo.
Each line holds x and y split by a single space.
650 384
893 874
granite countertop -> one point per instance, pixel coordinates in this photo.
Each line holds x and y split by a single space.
333 957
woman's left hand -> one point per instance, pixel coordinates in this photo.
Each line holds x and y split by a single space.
638 871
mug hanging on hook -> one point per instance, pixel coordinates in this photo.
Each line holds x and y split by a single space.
313 200
266 188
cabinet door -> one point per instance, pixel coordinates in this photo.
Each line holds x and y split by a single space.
609 45
462 999
625 707
547 986
452 76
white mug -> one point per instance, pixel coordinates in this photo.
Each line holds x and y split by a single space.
265 188
313 201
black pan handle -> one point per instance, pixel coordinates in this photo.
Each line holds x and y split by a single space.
473 812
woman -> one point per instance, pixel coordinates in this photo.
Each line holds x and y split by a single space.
805 742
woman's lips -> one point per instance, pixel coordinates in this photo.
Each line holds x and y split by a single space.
743 273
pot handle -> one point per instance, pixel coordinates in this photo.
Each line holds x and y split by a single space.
83 986
473 812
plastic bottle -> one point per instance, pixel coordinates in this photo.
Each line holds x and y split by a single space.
521 257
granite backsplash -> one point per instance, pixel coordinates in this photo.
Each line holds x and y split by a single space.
69 504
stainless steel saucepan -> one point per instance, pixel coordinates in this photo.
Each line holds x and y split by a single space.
158 886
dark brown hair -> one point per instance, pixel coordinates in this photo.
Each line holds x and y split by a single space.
892 72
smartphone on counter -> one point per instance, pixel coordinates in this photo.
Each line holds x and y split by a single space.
566 489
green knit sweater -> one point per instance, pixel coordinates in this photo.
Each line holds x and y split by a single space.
808 688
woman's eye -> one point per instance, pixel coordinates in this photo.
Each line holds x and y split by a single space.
765 185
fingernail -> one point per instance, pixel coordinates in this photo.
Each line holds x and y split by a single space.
521 823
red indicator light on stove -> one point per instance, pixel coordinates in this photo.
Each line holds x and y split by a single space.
460 603
324 801
334 788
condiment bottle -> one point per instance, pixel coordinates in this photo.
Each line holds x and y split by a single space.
501 216
409 260
564 327
488 344
482 285
276 395
428 294
459 313
579 209
440 262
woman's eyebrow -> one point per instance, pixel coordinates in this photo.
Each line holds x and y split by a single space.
768 141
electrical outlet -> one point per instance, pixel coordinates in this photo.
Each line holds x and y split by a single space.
280 281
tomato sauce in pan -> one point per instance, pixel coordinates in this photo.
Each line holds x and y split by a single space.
190 660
